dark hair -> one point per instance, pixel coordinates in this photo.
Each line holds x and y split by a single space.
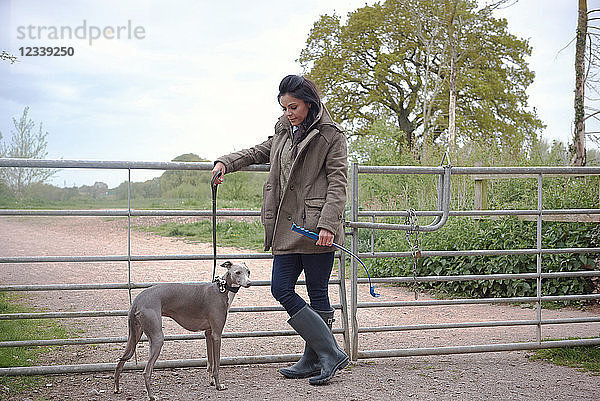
303 89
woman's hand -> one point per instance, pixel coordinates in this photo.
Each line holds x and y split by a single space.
219 168
325 237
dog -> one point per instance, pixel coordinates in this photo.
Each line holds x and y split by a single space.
195 307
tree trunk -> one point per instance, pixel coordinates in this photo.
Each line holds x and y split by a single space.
452 96
452 100
407 127
579 135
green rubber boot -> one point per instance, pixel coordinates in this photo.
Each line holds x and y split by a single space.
308 365
320 339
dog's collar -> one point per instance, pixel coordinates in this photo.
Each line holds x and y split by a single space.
224 287
232 289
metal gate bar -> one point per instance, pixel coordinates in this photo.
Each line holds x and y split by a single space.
123 312
468 349
170 337
160 364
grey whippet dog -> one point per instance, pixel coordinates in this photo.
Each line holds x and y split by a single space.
195 307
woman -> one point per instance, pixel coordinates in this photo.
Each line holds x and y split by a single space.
307 186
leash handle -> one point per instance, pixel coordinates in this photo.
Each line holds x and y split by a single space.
213 180
315 236
305 232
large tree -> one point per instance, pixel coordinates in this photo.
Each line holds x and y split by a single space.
391 61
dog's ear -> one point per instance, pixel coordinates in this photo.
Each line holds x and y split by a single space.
227 264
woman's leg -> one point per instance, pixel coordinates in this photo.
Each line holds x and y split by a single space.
309 365
322 356
286 270
317 270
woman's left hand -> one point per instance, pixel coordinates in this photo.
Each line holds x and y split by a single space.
325 237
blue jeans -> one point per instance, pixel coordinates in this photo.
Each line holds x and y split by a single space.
287 269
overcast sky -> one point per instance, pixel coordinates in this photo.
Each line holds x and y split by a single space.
202 76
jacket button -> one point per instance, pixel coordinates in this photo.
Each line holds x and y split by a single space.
291 187
289 218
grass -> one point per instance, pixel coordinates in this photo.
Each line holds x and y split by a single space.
23 329
136 203
249 235
584 358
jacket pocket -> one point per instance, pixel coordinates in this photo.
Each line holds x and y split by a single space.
312 212
266 210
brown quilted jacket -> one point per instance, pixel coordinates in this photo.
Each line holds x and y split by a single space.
315 194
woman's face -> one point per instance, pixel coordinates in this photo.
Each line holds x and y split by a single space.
294 109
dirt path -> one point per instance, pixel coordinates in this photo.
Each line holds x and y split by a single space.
492 376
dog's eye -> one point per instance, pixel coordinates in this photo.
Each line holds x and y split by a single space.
237 272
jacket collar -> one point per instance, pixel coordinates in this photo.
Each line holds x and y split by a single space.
322 118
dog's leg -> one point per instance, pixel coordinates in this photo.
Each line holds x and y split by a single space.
216 347
153 328
209 356
135 332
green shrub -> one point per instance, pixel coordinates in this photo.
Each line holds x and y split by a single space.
505 233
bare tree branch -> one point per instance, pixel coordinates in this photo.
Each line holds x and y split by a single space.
7 56
591 115
564 47
498 5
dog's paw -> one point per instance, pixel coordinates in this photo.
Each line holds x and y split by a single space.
221 387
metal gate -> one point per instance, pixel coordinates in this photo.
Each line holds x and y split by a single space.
440 216
129 285
350 328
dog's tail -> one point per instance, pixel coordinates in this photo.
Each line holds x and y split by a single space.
135 333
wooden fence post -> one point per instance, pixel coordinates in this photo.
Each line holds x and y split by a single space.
481 192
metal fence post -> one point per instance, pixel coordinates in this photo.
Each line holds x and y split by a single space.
539 261
373 236
344 302
354 265
129 233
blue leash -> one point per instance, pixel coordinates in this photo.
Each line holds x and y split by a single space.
315 236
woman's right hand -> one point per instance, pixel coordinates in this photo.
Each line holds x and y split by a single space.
219 168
